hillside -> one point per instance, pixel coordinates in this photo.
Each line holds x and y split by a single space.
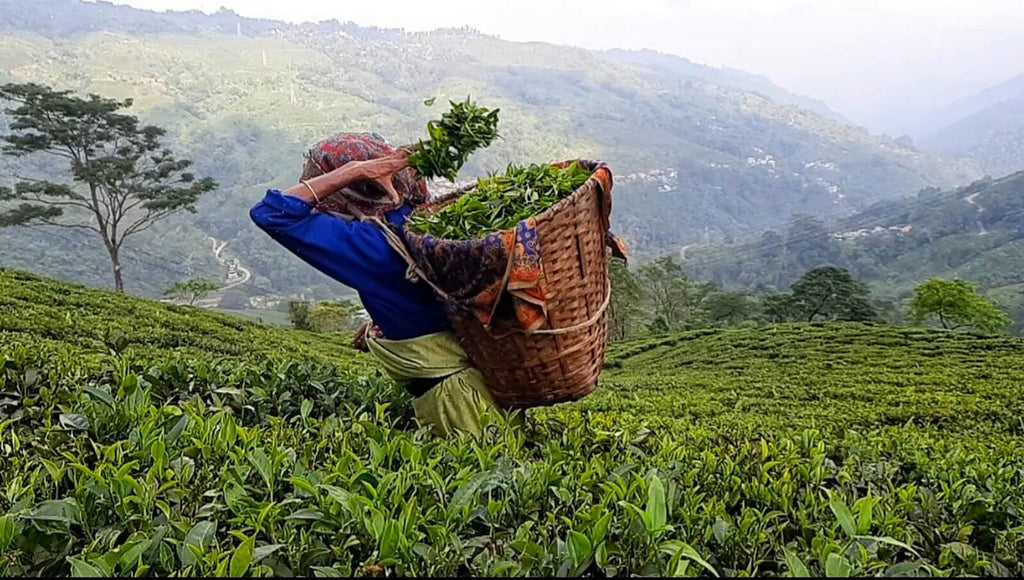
987 128
840 449
723 76
975 232
694 155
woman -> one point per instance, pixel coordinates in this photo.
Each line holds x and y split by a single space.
357 176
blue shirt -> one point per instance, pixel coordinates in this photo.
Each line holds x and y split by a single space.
357 255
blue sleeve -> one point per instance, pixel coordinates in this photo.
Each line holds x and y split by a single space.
351 252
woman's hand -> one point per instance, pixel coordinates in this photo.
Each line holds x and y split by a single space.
382 166
381 170
359 339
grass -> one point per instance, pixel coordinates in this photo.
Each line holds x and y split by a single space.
138 438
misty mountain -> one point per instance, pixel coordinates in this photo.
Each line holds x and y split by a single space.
974 104
695 157
987 128
724 76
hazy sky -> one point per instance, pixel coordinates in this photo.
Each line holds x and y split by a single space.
879 62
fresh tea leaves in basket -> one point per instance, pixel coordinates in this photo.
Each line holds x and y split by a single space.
500 202
465 128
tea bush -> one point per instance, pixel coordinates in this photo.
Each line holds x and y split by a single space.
221 447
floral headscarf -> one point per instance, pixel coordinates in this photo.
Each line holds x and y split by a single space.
365 198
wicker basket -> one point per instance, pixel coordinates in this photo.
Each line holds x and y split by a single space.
561 361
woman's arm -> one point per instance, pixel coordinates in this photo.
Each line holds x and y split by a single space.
352 252
377 170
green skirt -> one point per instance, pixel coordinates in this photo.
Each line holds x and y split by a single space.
457 403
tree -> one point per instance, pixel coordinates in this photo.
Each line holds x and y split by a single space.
831 293
663 281
956 304
340 316
777 307
809 244
674 298
724 308
121 180
298 312
189 291
625 308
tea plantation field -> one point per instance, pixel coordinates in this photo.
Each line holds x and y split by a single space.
143 439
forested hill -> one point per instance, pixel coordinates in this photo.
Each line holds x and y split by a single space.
695 157
974 232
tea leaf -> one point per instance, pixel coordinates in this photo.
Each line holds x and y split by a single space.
843 514
201 535
242 557
837 566
6 532
74 422
600 529
891 542
262 552
458 133
684 550
657 511
83 569
579 547
796 568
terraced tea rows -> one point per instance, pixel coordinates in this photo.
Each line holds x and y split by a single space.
836 377
199 444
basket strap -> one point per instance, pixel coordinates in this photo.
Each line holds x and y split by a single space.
413 273
550 331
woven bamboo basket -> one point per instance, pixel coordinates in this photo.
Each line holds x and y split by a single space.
561 361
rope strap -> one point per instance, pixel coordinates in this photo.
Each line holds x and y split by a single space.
586 323
414 274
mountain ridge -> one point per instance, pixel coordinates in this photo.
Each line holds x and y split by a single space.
244 97
734 77
986 128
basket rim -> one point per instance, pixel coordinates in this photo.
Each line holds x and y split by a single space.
450 197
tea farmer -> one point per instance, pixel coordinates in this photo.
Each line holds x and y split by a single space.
354 176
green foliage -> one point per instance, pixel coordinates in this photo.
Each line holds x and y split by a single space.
334 316
975 232
626 307
298 313
123 180
724 308
462 130
190 290
97 321
674 298
832 294
237 449
499 202
956 304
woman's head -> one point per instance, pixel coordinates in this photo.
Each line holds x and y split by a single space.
361 198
